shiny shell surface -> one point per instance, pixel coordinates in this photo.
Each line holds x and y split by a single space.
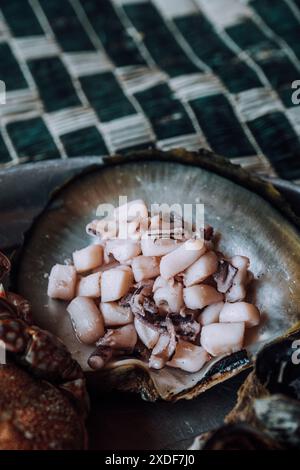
249 225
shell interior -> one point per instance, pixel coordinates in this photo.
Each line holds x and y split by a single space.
248 224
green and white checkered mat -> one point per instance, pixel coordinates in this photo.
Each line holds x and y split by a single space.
95 77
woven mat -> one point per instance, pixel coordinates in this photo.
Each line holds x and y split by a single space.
95 77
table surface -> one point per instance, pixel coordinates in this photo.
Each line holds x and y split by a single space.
118 420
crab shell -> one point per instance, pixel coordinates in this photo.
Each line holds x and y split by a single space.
238 436
38 350
269 399
267 412
275 373
43 247
36 415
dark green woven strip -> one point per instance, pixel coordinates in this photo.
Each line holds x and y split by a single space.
277 67
21 18
278 16
210 48
4 153
166 114
68 30
106 96
10 71
161 44
279 142
87 141
249 36
32 140
118 44
54 83
221 127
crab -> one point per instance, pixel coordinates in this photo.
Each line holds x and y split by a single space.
38 353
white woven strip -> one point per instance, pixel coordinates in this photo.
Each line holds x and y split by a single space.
188 141
3 29
87 63
127 132
36 47
71 119
193 86
256 163
252 104
32 114
139 78
11 149
293 115
224 13
175 8
20 102
2 92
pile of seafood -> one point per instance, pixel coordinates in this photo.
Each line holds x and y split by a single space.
152 286
43 398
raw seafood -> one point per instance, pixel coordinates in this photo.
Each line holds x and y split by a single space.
179 300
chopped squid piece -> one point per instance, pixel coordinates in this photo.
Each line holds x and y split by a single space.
139 300
147 333
104 228
210 314
136 228
114 314
101 356
222 338
181 258
115 283
145 267
225 275
199 296
204 267
189 357
123 250
161 282
186 327
88 258
62 282
119 338
240 312
164 348
89 286
86 319
237 291
131 210
160 353
157 246
169 298
159 223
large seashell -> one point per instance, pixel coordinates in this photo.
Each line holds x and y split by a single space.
252 217
269 399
